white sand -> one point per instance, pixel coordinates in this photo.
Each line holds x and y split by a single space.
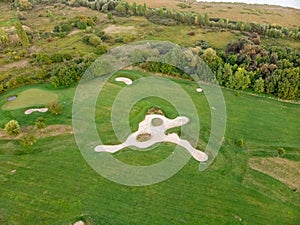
157 135
29 111
124 79
199 90
80 222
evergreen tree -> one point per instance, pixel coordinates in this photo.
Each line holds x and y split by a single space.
22 35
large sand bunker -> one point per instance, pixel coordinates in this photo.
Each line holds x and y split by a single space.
154 127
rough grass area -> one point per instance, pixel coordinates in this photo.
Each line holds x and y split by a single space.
48 131
30 98
238 11
284 170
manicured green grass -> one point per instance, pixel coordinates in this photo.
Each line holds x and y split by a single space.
31 97
64 96
54 185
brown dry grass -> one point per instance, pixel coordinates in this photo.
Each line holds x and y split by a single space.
113 29
143 137
49 131
284 170
18 64
238 11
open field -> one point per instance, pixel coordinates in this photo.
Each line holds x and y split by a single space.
255 13
54 182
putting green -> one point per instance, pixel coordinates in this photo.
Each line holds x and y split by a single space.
29 98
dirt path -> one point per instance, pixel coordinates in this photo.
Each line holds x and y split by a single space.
49 131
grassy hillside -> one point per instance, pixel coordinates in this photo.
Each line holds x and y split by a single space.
54 185
237 11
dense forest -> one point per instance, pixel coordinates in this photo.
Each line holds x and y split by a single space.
243 64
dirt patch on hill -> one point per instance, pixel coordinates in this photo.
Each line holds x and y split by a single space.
284 170
49 131
113 29
18 64
73 32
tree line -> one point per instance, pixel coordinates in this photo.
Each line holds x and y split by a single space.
171 16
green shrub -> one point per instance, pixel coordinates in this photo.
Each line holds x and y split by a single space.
100 49
40 123
64 27
82 25
41 58
3 38
281 151
12 128
239 143
183 6
55 107
109 16
69 73
92 39
23 38
60 57
121 9
27 140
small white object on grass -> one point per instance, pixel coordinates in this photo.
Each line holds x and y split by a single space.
199 90
124 80
80 222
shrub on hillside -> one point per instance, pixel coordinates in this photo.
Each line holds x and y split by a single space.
12 128
23 38
64 27
40 123
281 151
60 57
3 38
240 142
101 49
81 25
27 140
68 73
92 39
55 107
